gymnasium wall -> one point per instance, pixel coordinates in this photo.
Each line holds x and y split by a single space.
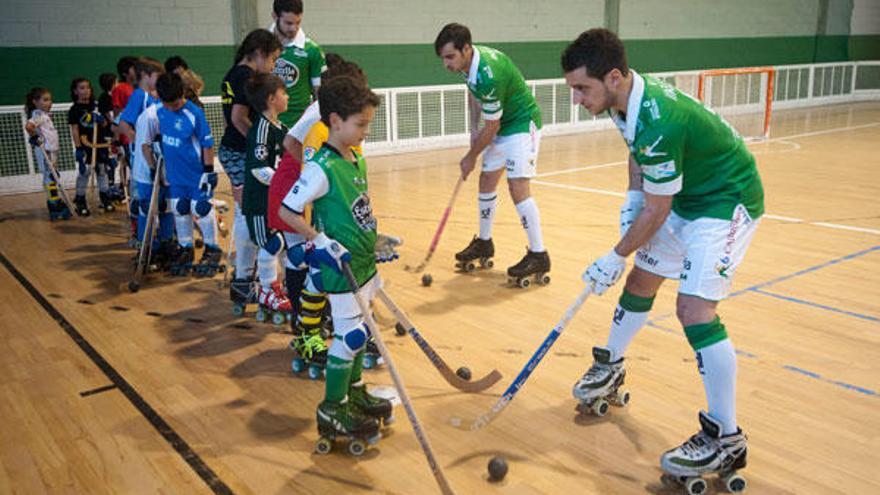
48 42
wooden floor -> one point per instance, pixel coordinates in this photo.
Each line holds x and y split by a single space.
206 402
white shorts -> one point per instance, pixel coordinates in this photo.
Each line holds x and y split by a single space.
518 153
345 309
703 254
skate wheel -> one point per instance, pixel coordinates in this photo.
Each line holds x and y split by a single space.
695 486
388 421
315 372
524 283
735 483
486 263
279 318
237 309
297 365
544 280
621 398
599 408
369 362
469 267
357 447
261 315
324 446
133 286
221 269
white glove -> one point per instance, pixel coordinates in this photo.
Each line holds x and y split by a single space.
635 201
264 174
327 251
386 248
605 272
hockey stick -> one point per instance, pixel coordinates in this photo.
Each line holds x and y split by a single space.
53 171
447 373
532 363
421 436
436 239
93 172
147 245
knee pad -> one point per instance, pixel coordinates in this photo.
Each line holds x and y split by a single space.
202 207
180 206
144 207
133 207
346 345
296 256
274 244
311 308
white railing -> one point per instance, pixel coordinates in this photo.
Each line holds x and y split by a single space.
431 117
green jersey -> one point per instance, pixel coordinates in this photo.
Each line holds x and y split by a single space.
502 91
686 150
344 213
300 66
264 149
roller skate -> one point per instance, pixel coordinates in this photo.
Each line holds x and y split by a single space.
242 293
209 264
274 304
165 254
372 356
342 419
183 262
106 203
375 407
533 266
478 250
57 210
705 453
600 385
82 208
310 353
116 194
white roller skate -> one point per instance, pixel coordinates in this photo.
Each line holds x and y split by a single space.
705 453
601 384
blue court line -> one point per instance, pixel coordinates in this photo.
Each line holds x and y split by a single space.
817 376
817 305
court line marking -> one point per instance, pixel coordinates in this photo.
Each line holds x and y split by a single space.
168 433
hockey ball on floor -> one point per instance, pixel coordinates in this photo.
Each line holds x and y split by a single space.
464 373
497 468
427 280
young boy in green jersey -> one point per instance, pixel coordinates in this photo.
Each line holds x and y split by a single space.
267 95
334 182
694 202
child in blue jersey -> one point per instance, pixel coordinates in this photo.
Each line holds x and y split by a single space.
188 149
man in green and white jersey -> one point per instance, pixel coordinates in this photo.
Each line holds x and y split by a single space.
301 62
509 139
694 201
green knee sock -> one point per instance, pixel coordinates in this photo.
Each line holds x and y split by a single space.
339 372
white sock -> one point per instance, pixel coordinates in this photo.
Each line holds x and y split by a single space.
208 226
183 224
624 327
245 249
717 364
486 205
266 268
531 222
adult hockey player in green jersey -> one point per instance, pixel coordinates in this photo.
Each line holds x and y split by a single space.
509 139
694 202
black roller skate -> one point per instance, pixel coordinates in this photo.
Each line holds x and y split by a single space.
82 208
310 352
601 384
183 263
242 293
705 453
342 419
106 202
209 264
165 254
478 250
375 407
57 210
533 266
372 356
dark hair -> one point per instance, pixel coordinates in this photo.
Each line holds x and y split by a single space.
124 64
170 87
338 66
599 51
73 84
32 95
146 66
344 96
259 87
258 40
106 81
282 6
175 62
454 32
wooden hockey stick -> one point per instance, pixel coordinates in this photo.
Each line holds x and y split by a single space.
436 239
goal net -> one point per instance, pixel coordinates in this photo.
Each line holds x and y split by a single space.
742 96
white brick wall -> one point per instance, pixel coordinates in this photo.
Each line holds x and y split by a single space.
115 22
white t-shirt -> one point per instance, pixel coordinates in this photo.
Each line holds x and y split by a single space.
45 128
146 128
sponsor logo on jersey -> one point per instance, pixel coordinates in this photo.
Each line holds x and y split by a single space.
178 125
261 152
649 152
309 152
660 171
287 71
362 213
652 107
299 52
